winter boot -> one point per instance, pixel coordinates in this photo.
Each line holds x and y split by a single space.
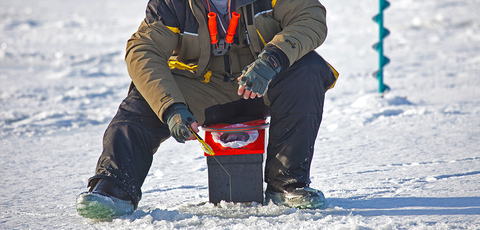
104 202
302 198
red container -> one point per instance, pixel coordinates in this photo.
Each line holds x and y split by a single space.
256 147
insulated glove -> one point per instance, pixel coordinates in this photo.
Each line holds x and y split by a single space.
178 119
260 73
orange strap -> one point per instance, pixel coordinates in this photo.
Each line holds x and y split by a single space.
232 27
212 27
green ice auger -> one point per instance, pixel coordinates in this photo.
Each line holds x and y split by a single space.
383 32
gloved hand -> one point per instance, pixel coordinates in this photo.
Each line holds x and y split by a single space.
256 77
178 119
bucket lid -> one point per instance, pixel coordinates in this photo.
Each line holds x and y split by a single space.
242 127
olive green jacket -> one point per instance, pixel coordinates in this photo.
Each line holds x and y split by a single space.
174 39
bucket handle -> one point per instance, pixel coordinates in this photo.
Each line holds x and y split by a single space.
235 129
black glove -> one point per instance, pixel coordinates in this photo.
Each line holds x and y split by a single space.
258 75
178 119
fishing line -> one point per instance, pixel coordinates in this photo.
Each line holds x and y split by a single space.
229 177
208 150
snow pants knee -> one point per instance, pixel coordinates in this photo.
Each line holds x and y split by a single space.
295 104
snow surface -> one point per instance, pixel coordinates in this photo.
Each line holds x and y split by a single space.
409 160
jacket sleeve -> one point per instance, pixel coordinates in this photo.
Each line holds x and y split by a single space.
147 54
304 27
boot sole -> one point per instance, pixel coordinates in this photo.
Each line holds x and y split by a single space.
101 207
296 201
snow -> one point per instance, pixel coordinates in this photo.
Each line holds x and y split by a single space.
408 160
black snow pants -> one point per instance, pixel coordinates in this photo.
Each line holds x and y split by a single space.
295 97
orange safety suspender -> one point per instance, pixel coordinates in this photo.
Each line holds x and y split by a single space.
220 47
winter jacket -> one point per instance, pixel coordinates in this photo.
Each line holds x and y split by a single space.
174 39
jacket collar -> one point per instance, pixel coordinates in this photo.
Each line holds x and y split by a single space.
241 3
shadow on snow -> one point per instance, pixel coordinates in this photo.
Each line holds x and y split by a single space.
405 206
